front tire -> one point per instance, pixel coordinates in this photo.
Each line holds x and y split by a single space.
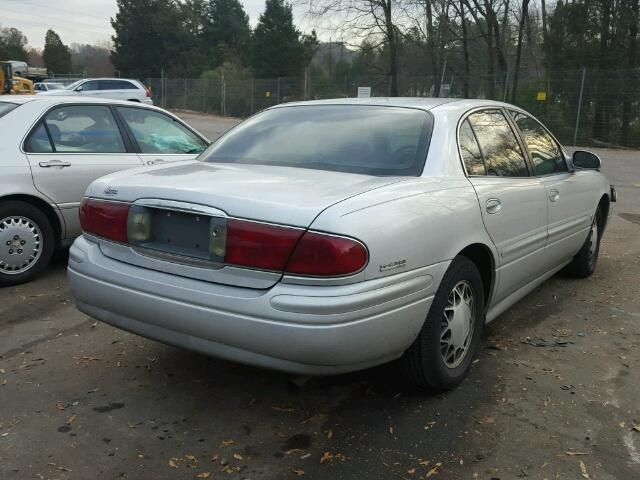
26 242
441 355
584 263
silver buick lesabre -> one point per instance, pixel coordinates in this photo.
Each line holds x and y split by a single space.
330 236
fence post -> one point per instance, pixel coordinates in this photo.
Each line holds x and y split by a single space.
251 95
222 94
185 94
162 87
278 97
575 133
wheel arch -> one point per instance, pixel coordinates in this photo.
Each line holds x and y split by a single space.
481 255
604 204
44 207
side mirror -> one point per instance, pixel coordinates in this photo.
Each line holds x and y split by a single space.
586 160
79 89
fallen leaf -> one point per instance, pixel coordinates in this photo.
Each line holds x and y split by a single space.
329 434
412 471
173 462
283 409
294 450
59 406
298 471
391 429
237 456
203 475
636 428
190 457
71 419
576 453
326 456
214 458
226 443
434 470
583 470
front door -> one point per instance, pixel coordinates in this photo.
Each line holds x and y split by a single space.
513 203
569 195
71 146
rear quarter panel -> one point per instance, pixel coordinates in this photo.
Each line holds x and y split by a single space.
419 222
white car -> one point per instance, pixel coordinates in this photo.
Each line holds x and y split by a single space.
111 88
331 236
52 148
40 87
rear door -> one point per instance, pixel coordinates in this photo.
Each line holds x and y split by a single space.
118 90
71 146
160 137
513 203
569 194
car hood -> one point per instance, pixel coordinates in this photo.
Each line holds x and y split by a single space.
283 195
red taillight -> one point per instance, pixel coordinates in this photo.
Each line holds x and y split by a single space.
148 90
258 245
327 255
104 219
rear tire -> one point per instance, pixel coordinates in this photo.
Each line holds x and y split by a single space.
441 355
27 242
584 263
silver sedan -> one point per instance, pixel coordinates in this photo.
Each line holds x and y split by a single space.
331 236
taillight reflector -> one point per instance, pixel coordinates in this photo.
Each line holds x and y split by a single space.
327 255
104 219
259 245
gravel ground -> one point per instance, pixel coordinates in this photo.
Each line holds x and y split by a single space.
553 394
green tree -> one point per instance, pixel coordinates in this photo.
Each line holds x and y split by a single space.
151 36
13 44
56 55
278 48
226 34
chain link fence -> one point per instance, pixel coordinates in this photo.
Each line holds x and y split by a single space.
582 107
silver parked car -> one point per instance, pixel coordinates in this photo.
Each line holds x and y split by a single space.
331 236
52 148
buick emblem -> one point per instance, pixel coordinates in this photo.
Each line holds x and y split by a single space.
110 191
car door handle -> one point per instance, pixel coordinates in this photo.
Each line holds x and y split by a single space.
493 205
54 163
155 162
554 195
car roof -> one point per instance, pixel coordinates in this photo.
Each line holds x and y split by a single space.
108 78
422 103
62 99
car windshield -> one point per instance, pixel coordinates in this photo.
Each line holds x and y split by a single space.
73 85
6 107
366 139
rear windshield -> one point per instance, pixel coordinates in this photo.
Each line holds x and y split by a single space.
371 140
6 107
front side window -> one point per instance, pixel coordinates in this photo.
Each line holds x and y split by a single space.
158 133
546 155
84 129
371 140
502 153
90 86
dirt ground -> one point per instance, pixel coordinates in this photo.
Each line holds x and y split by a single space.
553 394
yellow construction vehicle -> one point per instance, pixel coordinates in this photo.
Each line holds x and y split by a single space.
10 85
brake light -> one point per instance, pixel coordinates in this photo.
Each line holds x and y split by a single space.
259 245
320 254
148 90
104 219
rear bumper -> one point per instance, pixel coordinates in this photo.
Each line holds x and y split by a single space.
147 100
307 330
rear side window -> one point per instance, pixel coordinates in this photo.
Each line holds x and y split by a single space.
38 141
78 129
156 132
546 155
370 140
6 107
503 156
470 150
116 85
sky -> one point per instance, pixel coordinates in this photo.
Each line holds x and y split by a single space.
79 21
